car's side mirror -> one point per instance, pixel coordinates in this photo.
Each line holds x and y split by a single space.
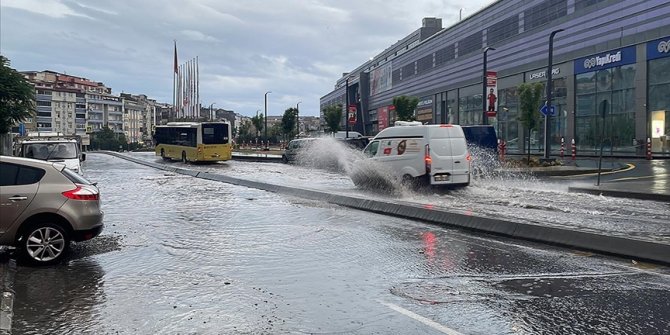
83 157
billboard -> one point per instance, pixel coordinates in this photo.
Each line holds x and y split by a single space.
351 114
382 118
380 79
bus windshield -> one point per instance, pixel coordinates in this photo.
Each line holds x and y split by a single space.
215 133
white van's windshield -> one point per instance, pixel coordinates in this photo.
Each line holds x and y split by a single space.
46 151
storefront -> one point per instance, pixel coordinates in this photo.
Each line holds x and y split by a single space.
605 95
658 67
424 110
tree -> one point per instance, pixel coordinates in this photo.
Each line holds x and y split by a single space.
245 134
333 116
107 139
17 97
404 107
288 122
257 121
530 97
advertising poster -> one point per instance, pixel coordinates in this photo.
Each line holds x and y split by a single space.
351 116
491 93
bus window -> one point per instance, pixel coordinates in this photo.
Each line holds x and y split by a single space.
215 133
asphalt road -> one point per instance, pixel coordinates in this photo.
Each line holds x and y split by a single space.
190 256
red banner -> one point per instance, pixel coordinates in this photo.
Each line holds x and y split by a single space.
351 115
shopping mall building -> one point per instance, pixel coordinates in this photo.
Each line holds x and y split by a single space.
611 74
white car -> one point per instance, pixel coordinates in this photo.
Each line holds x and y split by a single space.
414 153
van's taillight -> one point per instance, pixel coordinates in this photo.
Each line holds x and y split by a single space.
468 157
427 159
82 192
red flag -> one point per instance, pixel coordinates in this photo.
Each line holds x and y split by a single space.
176 69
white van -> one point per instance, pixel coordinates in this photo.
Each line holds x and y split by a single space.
61 149
431 154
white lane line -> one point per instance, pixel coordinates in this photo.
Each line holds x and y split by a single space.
426 321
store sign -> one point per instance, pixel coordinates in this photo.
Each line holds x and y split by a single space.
605 60
543 74
658 48
425 102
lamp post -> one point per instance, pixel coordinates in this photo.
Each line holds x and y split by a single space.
484 117
211 116
547 118
266 120
346 109
297 118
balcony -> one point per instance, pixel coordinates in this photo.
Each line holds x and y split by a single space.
43 97
81 100
116 121
94 121
44 119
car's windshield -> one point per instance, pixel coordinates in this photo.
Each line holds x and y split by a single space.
56 150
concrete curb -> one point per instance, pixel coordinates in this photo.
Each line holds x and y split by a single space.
620 194
626 247
7 271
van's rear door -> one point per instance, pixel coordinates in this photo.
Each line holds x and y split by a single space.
441 151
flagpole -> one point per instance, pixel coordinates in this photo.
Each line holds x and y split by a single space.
175 73
197 84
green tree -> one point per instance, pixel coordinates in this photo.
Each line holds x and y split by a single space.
17 97
530 97
244 134
333 116
257 121
107 139
404 107
288 122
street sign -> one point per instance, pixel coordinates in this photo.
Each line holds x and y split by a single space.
22 129
548 111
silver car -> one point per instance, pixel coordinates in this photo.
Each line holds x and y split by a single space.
44 206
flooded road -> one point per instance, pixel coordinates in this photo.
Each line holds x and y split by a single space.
515 197
182 255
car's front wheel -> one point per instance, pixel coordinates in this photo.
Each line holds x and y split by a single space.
44 243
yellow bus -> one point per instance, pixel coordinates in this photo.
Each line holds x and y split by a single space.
194 141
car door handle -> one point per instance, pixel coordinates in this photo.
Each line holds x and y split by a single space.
18 198
457 162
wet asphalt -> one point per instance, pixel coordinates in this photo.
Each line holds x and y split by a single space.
181 255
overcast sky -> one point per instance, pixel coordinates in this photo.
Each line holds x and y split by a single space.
295 48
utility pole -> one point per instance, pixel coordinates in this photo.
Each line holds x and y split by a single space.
346 109
297 118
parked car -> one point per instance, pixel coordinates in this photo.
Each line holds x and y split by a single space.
413 153
45 205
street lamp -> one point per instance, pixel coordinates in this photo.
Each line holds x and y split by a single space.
297 118
484 118
211 115
547 121
266 120
346 109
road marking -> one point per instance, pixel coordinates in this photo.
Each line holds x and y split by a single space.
628 168
641 177
426 321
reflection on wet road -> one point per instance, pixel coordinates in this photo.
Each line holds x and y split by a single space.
190 256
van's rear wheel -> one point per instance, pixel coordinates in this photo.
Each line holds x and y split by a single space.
408 181
183 157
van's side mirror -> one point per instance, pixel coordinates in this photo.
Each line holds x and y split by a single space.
83 157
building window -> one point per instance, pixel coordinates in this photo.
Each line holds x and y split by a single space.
502 30
581 4
470 44
544 13
614 91
659 104
508 116
43 103
444 55
470 109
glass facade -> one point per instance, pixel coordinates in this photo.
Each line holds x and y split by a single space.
659 103
508 116
470 110
612 92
